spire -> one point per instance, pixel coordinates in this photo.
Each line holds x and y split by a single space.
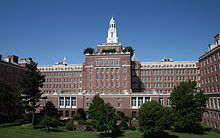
133 58
112 32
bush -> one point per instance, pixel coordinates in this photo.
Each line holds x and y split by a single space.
123 125
3 117
69 125
132 128
82 114
10 124
82 122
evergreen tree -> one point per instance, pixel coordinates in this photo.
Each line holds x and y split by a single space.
49 121
50 110
30 83
151 119
9 102
188 106
102 114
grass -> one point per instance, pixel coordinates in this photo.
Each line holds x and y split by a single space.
26 131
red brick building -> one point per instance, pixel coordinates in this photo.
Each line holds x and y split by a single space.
10 71
119 79
209 65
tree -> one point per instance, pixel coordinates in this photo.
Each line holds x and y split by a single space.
188 105
49 121
82 114
124 120
30 83
88 51
96 105
103 115
151 120
9 102
50 110
129 49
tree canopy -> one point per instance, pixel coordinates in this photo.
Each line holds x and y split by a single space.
102 114
50 110
129 49
152 119
30 83
188 105
88 51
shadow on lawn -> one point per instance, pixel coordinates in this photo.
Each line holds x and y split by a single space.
163 135
112 135
53 130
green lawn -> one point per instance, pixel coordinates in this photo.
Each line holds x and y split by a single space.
25 131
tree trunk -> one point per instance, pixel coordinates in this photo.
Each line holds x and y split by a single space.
33 119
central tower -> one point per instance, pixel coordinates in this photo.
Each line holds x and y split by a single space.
112 32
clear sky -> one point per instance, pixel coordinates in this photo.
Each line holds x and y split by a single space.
49 30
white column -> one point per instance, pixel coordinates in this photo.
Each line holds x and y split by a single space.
70 102
137 101
64 102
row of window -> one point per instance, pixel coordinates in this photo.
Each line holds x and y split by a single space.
157 85
213 103
210 59
63 74
162 66
168 72
107 77
63 80
212 115
62 86
61 68
211 89
67 102
210 79
138 101
108 85
171 78
107 62
107 70
210 69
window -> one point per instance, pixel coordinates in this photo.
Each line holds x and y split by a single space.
73 101
125 69
133 101
147 99
161 101
67 101
125 84
168 101
140 101
61 101
118 105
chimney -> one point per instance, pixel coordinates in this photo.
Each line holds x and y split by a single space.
29 60
217 39
13 58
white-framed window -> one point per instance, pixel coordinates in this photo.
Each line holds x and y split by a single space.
133 101
61 101
73 101
67 101
161 101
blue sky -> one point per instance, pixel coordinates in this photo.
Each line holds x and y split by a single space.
48 30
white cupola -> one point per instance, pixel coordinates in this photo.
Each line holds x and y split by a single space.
112 32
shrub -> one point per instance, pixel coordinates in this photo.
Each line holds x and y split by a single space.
123 125
81 113
69 125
